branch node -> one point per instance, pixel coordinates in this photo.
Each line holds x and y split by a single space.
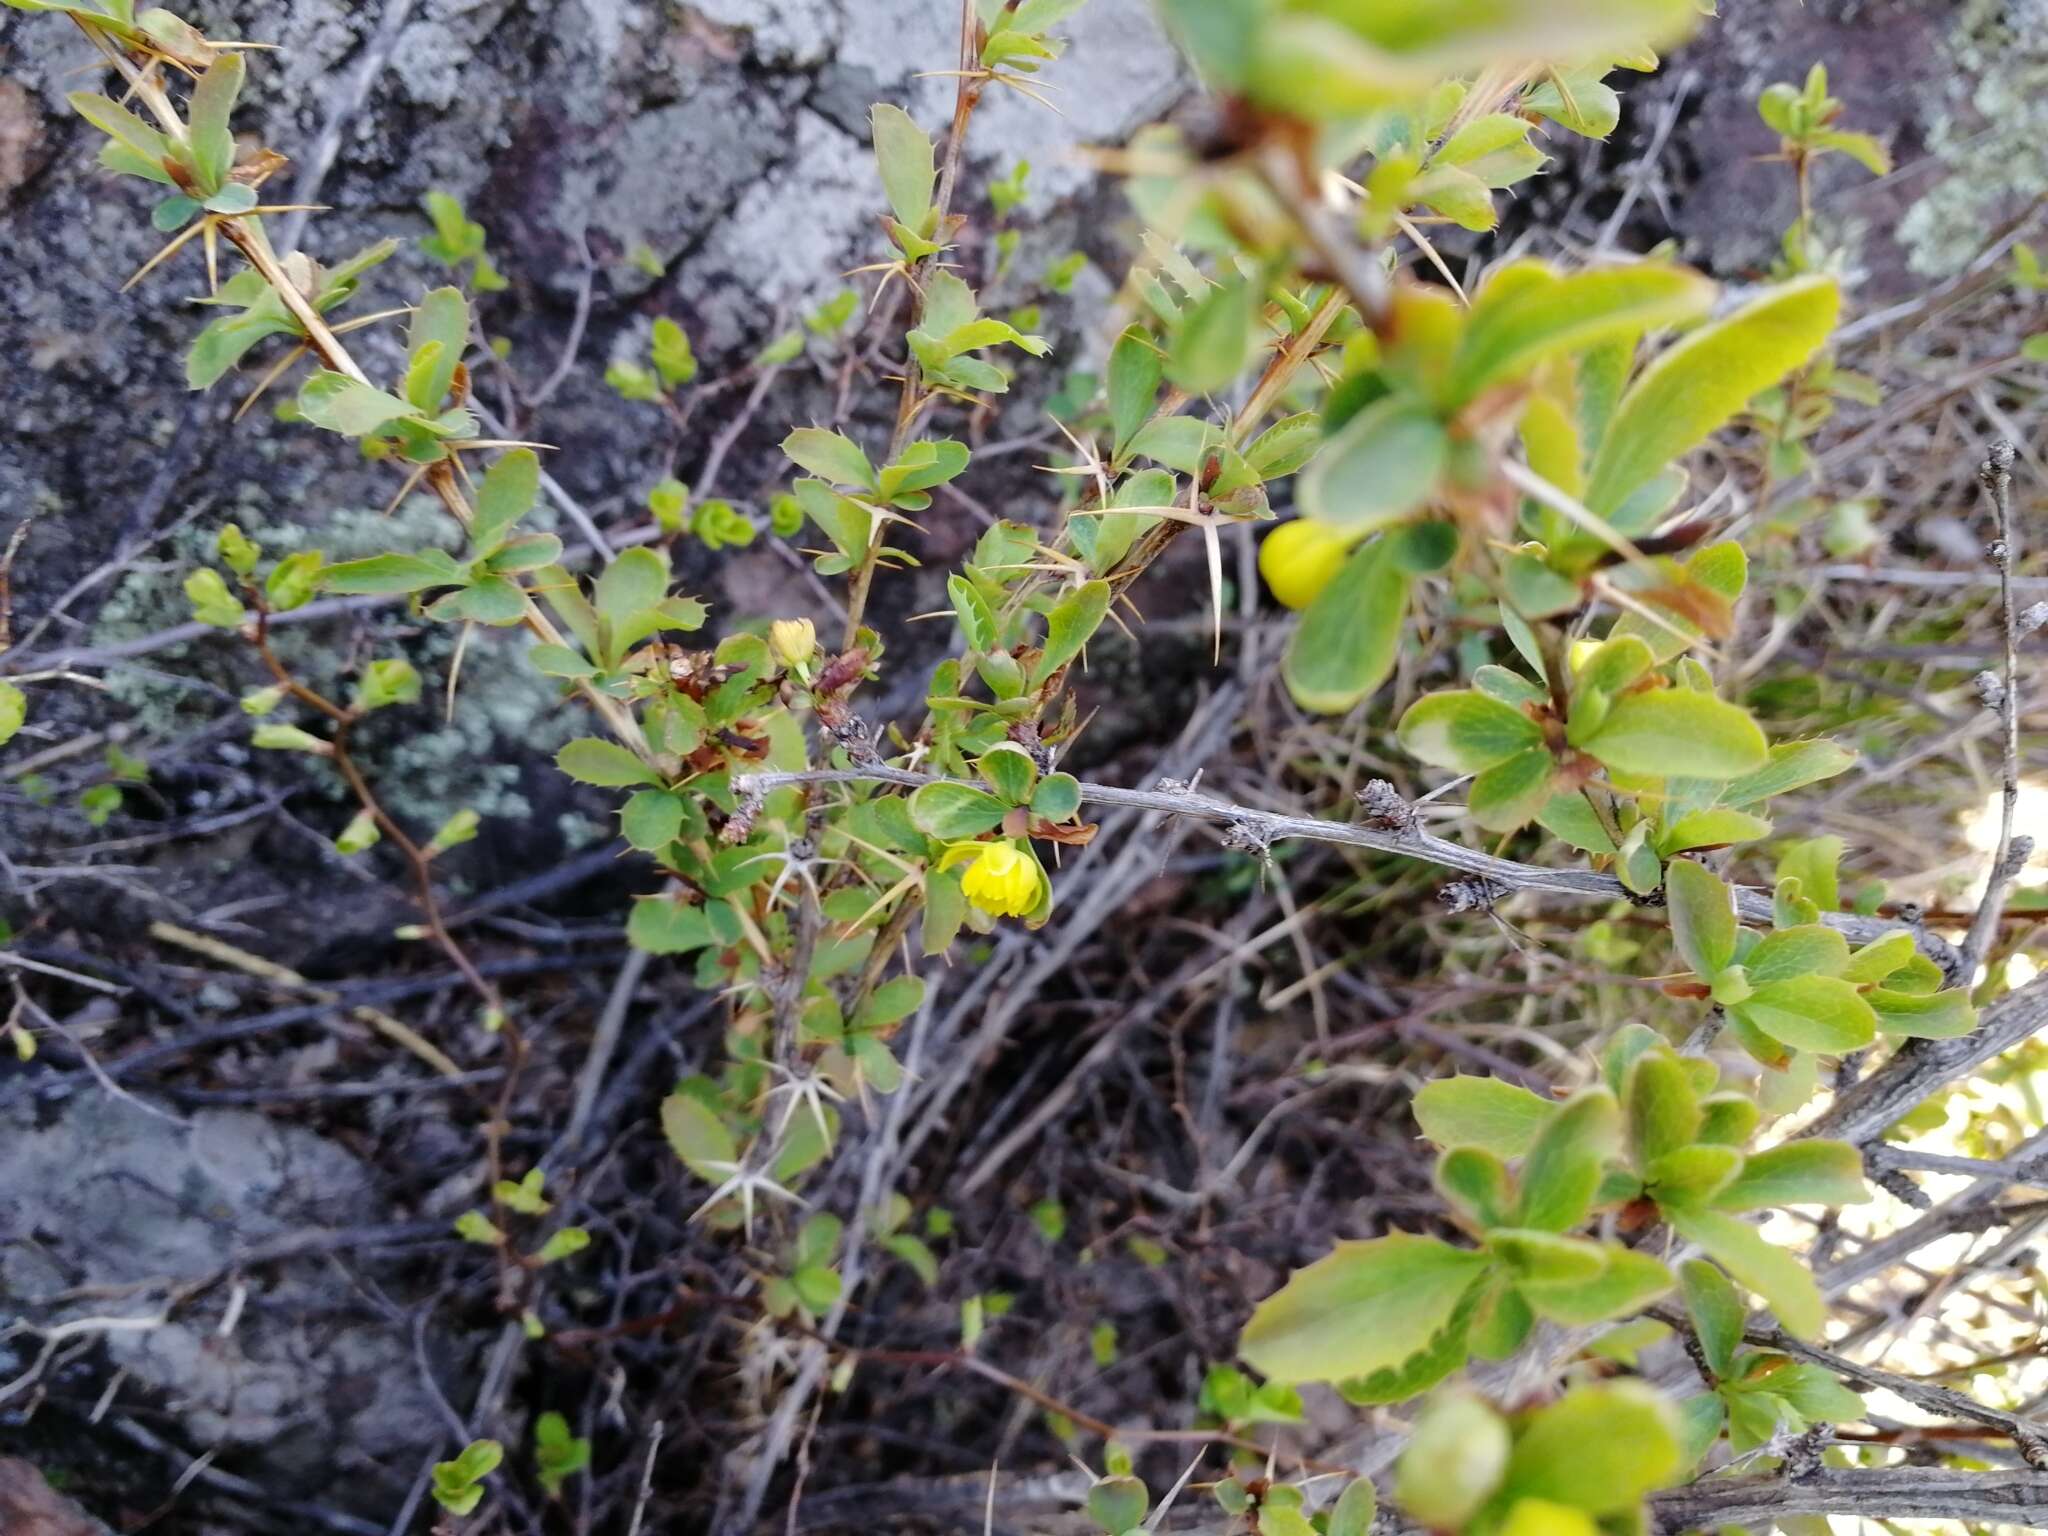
1803 1454
2033 1448
1475 893
1385 809
1895 1183
740 824
2015 859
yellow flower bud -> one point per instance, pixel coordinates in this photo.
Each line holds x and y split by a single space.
793 640
1003 880
1300 558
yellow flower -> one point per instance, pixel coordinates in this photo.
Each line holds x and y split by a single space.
1003 880
793 640
1300 558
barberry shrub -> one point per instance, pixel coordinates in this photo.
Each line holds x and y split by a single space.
1506 460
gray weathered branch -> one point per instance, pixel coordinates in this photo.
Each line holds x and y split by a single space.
1882 1493
2003 693
1924 1067
1493 878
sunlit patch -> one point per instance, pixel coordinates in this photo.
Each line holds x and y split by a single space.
1980 827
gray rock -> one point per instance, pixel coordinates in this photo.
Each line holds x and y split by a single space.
117 1206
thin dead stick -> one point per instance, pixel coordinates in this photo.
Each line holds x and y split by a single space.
1883 1493
1494 878
2012 853
394 1030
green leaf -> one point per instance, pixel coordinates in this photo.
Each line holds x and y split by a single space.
1693 388
1598 1448
1118 1504
1860 147
1346 642
1718 1315
1923 1016
1662 1107
509 489
591 761
1477 1182
13 711
977 623
1562 1171
1364 1307
1178 442
1074 618
561 1245
1454 1460
669 350
391 680
1507 795
1702 915
384 574
1812 1013
1797 1173
125 128
628 595
843 520
1008 770
1713 828
1815 1393
1792 765
340 404
1444 1353
1572 818
1778 1276
486 600
1688 1177
697 1136
213 100
1526 1254
831 456
1583 104
663 925
1381 466
1804 950
441 319
1352 1514
1673 732
893 1001
1286 446
212 602
1728 1119
954 812
904 156
1134 374
1214 338
1458 195
1466 731
1481 1112
651 820
1629 1282
1523 316
293 580
1057 797
278 738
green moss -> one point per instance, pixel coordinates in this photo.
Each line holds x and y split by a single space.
427 767
1988 124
